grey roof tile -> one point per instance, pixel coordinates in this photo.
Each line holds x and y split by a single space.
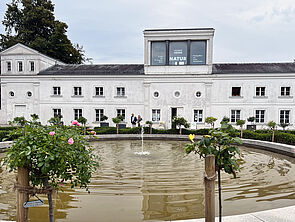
124 69
240 68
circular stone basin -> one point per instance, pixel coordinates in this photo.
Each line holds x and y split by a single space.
165 185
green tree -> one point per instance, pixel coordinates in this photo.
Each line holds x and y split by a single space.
284 125
272 125
32 23
83 121
180 121
210 120
117 120
251 119
53 155
221 145
150 123
241 123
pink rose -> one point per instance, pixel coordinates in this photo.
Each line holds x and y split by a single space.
70 141
78 124
92 132
51 133
74 122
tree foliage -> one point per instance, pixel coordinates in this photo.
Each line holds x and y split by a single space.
180 121
32 23
221 145
210 120
57 153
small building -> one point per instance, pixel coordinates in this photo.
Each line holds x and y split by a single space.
178 78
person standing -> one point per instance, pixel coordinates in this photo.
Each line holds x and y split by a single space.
133 120
139 120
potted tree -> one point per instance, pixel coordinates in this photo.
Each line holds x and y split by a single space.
116 120
180 122
83 121
121 124
210 120
150 123
272 125
102 123
241 123
284 125
252 126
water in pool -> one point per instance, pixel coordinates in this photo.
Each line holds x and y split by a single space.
165 185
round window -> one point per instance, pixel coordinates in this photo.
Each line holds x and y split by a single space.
11 93
177 94
198 94
29 94
156 94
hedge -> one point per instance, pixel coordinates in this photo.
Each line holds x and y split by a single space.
7 128
4 134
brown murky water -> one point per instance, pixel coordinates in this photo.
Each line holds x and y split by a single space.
166 185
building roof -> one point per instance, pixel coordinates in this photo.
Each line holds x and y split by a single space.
138 69
236 68
181 29
116 69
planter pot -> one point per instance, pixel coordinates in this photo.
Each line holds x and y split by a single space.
104 124
122 125
251 127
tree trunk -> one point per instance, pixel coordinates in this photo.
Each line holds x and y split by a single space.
210 188
241 132
219 192
180 132
117 126
50 203
151 129
22 197
273 136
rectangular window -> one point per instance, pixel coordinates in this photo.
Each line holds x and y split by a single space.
285 116
20 66
57 112
236 91
285 91
77 113
98 114
198 53
99 91
260 91
121 112
77 91
158 54
260 116
198 115
235 115
32 66
120 91
156 115
8 66
56 90
178 53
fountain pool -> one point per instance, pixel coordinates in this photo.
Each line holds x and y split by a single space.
165 185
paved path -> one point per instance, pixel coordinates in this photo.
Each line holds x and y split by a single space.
286 214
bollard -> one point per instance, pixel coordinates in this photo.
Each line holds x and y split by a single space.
210 177
22 196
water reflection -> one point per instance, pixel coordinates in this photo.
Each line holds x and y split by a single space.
166 185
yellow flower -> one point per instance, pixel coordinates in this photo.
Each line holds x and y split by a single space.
207 136
191 137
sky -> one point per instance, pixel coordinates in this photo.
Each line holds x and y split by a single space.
245 31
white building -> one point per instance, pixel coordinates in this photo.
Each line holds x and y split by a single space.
178 77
